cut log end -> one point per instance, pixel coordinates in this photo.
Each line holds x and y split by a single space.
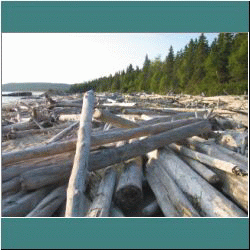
129 197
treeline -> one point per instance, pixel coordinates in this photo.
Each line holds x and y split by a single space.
221 68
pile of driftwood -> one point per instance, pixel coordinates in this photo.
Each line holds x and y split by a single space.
110 157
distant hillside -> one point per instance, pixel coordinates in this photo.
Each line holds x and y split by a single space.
35 86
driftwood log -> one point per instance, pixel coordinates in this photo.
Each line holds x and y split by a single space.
210 176
96 140
75 203
151 209
50 203
161 196
102 202
175 195
128 193
25 204
206 199
211 161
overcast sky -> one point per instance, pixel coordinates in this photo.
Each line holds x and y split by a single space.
78 57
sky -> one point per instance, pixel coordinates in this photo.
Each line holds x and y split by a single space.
79 57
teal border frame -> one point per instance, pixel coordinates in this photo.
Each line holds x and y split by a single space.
141 233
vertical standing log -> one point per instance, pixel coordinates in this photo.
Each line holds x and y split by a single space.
128 193
75 204
102 202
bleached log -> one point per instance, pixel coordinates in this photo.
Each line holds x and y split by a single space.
128 193
65 117
61 168
96 140
25 204
138 148
172 118
102 202
217 151
118 104
75 203
151 209
18 127
50 203
211 161
175 195
236 187
63 133
115 120
162 198
210 176
209 201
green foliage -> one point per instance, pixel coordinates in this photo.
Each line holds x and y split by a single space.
214 70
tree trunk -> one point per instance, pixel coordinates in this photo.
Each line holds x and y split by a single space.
151 209
205 198
128 193
102 202
76 199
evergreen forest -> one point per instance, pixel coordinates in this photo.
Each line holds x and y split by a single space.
219 69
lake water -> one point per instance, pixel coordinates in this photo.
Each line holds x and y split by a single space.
11 99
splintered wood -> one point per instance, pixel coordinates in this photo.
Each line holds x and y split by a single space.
113 155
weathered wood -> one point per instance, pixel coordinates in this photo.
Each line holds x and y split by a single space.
25 204
138 148
18 127
107 157
151 209
63 133
172 118
174 193
66 117
50 203
128 193
96 140
204 197
162 198
13 185
210 176
75 202
40 177
115 120
10 199
236 187
102 202
211 161
217 151
52 161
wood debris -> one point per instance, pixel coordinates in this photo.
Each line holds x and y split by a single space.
133 155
